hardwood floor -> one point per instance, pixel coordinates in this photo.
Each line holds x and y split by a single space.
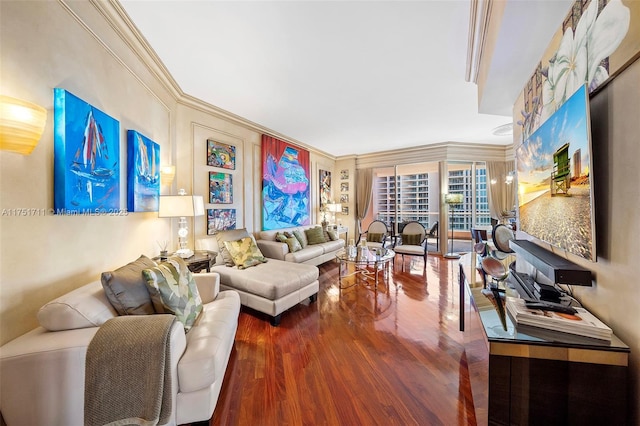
356 356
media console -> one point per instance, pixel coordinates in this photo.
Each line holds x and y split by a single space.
530 376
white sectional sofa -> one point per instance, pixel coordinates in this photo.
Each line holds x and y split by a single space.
42 373
314 254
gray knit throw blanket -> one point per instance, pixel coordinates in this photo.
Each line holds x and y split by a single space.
127 374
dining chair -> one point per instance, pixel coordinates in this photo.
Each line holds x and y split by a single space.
376 234
413 241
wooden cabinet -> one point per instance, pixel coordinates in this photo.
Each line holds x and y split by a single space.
534 377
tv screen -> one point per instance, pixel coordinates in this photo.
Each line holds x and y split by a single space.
555 193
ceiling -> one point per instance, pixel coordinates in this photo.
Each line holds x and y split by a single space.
347 77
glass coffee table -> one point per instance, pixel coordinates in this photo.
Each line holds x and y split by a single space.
368 265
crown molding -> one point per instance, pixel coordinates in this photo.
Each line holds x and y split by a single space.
443 151
479 18
121 23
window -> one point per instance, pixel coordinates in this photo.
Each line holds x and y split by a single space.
409 192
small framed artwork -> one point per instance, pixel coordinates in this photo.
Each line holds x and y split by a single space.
221 155
220 220
344 198
344 187
344 174
345 210
143 173
220 188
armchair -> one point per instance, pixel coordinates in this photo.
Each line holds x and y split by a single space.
413 241
376 234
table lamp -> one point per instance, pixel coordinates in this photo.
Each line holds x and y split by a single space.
181 206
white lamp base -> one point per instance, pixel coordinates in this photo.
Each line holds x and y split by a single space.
184 253
452 256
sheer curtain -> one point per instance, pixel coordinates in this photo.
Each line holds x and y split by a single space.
502 197
364 188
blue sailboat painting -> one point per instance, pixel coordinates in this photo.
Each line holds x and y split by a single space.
143 173
86 157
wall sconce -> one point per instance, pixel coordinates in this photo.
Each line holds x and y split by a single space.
21 125
167 173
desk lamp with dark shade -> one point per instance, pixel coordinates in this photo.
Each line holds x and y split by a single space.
452 200
181 206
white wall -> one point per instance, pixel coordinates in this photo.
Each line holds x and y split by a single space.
45 45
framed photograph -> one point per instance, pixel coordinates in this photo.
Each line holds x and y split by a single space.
345 210
143 173
344 198
220 188
221 155
220 220
344 187
344 174
86 157
325 188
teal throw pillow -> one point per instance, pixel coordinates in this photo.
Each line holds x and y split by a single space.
173 291
315 235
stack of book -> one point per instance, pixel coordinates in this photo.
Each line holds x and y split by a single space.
581 323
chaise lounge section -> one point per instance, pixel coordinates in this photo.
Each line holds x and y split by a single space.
270 286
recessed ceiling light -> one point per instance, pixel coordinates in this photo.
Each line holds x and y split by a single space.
504 130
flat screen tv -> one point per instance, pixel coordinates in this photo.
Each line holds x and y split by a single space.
555 191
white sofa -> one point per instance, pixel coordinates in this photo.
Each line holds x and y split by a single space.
314 254
42 373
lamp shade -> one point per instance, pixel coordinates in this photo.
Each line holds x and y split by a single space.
21 125
453 198
181 206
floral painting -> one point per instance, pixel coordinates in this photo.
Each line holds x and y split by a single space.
220 220
591 33
285 184
143 173
221 155
220 188
86 157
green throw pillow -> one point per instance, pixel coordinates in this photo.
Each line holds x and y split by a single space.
411 239
174 291
245 253
374 238
294 244
333 235
315 235
302 238
281 236
230 235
